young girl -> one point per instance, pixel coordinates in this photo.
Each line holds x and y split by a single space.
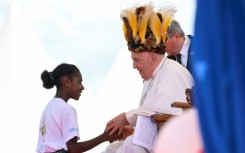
58 130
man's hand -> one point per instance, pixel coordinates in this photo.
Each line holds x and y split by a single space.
113 137
127 131
117 124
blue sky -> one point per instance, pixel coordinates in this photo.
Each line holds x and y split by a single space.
89 32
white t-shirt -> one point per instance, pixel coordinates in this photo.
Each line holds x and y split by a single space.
58 125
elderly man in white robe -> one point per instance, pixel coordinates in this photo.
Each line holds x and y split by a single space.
165 80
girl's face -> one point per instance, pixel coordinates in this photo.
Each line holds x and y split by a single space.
76 86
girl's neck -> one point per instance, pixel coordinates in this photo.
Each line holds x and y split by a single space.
62 95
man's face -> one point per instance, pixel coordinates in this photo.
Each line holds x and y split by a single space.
143 62
171 45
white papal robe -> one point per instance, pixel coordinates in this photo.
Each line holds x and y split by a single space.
167 84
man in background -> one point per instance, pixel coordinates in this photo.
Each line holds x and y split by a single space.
178 45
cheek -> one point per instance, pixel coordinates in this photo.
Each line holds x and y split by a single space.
146 67
168 43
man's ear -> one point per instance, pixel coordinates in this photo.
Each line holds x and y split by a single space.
153 56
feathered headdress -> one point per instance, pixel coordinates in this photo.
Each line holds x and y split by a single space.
145 29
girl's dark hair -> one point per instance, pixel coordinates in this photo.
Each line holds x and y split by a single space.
51 79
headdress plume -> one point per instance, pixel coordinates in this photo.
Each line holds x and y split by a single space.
145 29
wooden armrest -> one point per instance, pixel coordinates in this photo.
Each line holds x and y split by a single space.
183 105
160 118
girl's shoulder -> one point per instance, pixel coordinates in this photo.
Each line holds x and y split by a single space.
59 103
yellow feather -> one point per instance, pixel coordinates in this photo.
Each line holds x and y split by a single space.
155 25
165 24
125 31
143 26
167 15
133 22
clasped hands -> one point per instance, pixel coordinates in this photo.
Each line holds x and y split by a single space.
119 128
